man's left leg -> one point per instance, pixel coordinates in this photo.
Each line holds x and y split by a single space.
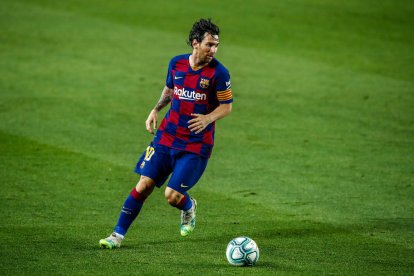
188 169
188 207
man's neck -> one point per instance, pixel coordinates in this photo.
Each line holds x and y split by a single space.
195 62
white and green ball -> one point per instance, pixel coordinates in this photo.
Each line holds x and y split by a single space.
242 251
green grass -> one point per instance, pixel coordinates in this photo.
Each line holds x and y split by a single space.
315 163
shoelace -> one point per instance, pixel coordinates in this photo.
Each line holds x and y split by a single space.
186 217
113 238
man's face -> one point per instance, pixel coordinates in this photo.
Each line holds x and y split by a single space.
207 48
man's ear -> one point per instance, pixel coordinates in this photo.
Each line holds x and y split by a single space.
195 43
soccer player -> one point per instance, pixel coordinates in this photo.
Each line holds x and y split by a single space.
199 90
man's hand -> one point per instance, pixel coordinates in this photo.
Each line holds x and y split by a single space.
152 120
199 122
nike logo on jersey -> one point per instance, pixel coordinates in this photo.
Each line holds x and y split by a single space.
177 78
183 186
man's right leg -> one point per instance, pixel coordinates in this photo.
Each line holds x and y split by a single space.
129 212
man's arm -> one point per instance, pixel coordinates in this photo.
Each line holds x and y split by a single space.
200 121
152 119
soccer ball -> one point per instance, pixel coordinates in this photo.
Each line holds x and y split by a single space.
242 251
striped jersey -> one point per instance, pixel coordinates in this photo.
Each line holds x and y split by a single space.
195 91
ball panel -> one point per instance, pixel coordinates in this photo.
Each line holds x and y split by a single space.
239 240
237 254
251 258
251 245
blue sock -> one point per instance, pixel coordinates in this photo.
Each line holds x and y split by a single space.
129 212
185 204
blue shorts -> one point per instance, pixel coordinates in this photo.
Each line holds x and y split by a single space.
158 162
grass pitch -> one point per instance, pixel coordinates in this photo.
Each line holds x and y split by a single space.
315 163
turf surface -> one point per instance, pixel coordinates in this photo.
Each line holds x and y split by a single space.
315 163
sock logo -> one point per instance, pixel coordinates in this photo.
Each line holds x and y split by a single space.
126 210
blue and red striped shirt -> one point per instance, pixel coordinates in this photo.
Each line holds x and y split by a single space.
195 91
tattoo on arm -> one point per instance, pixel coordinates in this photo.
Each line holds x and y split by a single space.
165 98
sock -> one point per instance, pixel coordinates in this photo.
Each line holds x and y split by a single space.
129 212
185 203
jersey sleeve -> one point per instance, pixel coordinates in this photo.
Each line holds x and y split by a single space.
223 87
169 80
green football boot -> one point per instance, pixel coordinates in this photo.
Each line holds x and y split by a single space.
111 242
188 219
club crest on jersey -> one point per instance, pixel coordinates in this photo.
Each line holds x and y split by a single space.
204 83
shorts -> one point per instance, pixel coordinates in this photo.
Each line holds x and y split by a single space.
158 162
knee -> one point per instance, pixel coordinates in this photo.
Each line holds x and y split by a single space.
145 185
172 201
173 197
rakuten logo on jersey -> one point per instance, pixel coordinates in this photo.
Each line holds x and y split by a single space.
185 94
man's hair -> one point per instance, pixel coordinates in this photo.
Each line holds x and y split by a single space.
201 27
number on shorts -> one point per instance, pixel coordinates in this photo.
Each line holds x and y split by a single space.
149 153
